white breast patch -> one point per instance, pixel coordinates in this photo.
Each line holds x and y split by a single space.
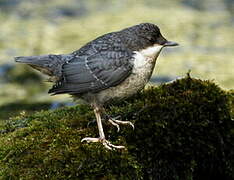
144 62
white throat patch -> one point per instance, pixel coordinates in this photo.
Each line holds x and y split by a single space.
144 56
152 51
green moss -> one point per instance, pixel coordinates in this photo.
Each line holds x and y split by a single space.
186 130
48 146
12 109
183 130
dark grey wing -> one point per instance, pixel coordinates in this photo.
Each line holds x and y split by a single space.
103 63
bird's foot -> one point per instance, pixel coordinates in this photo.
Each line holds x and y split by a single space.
116 122
106 143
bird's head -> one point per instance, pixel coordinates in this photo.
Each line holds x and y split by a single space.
152 35
148 35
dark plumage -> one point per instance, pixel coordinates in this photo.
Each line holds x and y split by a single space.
115 65
97 66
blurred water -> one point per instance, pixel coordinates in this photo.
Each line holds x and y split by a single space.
56 104
162 79
204 29
74 8
4 69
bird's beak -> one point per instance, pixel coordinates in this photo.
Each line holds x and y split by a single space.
170 43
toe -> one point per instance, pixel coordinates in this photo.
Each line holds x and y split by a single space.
89 139
114 146
114 124
106 143
107 146
131 124
114 121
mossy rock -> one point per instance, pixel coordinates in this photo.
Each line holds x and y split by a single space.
183 130
12 109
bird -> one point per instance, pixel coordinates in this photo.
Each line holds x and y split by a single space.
113 66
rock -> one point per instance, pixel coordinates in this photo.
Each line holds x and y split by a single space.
183 130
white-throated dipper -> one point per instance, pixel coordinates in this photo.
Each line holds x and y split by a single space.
115 65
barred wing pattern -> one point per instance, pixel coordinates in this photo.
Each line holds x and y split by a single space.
98 65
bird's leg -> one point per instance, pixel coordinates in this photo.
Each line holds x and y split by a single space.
101 138
116 122
97 113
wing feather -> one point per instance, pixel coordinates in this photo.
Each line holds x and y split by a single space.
99 65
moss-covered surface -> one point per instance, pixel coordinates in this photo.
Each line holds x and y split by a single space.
12 109
183 130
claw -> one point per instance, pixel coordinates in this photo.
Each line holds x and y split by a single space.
115 122
89 139
124 123
106 143
114 146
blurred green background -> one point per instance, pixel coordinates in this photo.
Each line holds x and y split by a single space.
203 28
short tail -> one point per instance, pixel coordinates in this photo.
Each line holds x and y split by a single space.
48 64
